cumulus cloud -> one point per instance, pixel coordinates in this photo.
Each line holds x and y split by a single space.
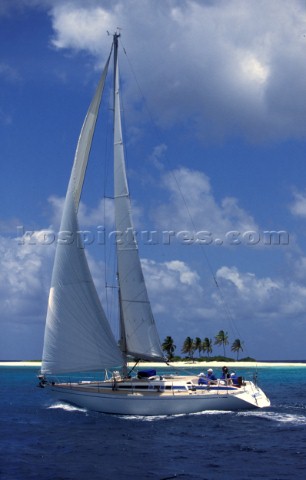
271 301
219 68
192 206
173 275
298 206
195 67
299 269
175 291
81 27
157 156
248 286
26 264
262 306
24 282
183 301
102 214
23 274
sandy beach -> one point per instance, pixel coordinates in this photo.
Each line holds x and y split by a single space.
187 365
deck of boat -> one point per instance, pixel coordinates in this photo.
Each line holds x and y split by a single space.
179 386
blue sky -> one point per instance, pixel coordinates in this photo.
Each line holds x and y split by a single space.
214 121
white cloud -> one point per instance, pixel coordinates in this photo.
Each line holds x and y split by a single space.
81 27
26 266
193 207
172 275
299 268
183 301
174 288
186 276
102 214
24 285
272 303
24 276
249 287
252 308
223 67
254 70
298 206
57 204
156 157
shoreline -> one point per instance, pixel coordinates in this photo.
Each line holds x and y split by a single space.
181 364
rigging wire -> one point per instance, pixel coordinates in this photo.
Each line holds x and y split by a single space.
222 300
109 255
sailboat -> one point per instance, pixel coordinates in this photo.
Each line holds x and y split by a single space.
78 337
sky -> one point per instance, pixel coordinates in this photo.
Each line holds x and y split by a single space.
214 119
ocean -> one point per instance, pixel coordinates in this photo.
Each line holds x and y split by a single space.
44 440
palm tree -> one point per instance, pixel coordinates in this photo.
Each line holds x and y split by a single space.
169 347
222 339
197 345
237 346
188 347
207 345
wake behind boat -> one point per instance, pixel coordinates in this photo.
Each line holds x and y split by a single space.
78 337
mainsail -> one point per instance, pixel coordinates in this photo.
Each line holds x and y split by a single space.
77 334
139 336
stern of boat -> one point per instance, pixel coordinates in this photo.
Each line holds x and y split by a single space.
253 395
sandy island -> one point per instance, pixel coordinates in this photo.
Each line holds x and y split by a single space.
187 365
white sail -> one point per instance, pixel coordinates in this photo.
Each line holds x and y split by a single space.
77 334
85 140
139 336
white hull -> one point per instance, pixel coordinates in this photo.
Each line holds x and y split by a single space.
101 397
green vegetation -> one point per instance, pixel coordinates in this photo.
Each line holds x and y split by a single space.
169 347
247 359
190 346
207 345
237 346
197 345
222 339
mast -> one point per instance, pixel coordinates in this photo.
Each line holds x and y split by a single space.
115 42
122 337
138 335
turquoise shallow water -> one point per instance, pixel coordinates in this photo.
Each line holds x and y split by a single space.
41 439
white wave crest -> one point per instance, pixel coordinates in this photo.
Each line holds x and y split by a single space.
278 417
156 418
67 407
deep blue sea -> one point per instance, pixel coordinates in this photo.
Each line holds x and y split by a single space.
44 440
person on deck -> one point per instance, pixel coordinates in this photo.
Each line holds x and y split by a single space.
202 379
225 373
234 379
208 378
211 376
